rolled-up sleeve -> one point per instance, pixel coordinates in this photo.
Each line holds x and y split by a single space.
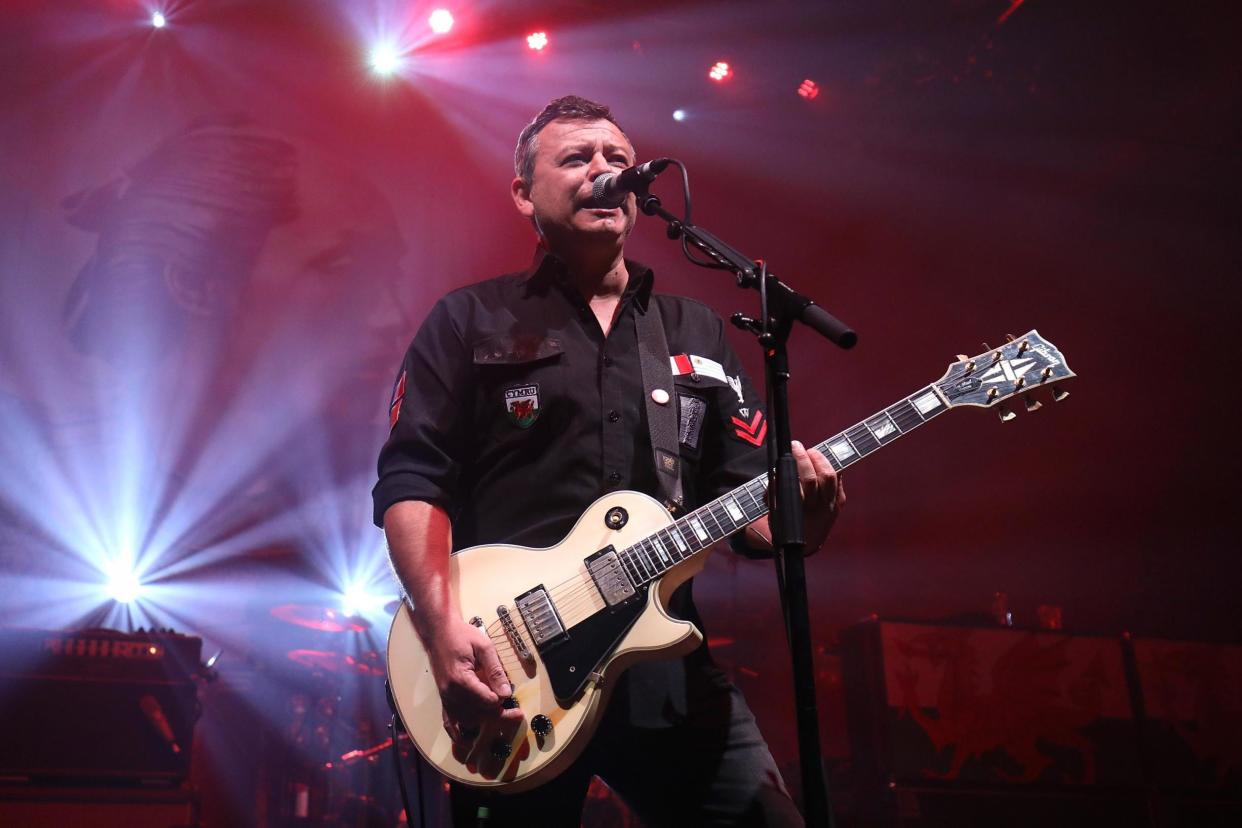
429 416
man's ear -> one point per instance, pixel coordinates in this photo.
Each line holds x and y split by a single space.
521 198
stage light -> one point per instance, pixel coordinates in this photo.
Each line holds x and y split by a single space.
385 59
358 599
537 40
809 89
123 586
158 20
679 115
720 71
440 21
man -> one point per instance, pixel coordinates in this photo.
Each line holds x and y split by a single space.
519 403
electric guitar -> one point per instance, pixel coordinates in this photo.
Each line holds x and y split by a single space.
568 619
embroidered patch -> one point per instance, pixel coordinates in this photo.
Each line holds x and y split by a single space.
751 432
522 405
394 407
668 463
693 412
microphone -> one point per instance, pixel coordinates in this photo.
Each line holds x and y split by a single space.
610 189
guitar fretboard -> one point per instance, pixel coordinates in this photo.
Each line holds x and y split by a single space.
656 554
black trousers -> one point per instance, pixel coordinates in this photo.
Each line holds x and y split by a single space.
712 769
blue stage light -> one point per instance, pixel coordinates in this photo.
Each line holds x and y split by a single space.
123 584
385 59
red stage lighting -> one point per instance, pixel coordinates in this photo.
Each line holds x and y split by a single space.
440 21
537 40
720 72
809 89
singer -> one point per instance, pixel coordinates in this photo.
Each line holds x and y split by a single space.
519 402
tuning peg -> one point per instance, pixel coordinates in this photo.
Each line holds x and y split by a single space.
1010 337
1044 374
1032 404
1059 393
1005 414
963 358
992 392
1017 386
1022 346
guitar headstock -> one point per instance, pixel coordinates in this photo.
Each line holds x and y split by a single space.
1022 366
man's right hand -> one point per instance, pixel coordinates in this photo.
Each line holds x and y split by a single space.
471 681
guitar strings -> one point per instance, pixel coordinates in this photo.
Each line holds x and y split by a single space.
575 594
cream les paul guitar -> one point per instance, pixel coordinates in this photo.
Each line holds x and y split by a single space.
567 620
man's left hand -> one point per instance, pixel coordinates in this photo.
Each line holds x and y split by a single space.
823 495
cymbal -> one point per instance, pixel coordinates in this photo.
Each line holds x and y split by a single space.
367 664
324 619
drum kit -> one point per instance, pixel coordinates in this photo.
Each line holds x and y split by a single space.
331 778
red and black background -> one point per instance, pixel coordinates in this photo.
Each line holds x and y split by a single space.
216 239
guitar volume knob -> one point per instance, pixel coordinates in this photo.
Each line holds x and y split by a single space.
541 725
501 749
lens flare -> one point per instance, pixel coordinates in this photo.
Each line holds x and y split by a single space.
440 21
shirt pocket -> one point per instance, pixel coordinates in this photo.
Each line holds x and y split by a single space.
520 387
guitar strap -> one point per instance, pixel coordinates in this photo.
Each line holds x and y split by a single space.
659 395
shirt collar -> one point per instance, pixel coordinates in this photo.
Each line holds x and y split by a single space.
548 268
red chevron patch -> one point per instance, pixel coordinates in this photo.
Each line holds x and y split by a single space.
752 432
394 408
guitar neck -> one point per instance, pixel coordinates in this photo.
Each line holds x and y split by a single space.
726 515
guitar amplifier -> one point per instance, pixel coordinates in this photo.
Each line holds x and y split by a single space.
965 706
97 706
110 807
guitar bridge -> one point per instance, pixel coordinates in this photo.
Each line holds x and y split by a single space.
610 577
540 616
519 643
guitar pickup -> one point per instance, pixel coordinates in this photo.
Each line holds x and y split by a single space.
610 577
540 617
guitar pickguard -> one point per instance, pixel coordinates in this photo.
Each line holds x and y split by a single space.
571 660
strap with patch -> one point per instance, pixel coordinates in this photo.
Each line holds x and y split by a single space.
662 422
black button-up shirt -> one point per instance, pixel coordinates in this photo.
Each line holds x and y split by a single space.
514 412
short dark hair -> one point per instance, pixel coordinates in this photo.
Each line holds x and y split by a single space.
567 108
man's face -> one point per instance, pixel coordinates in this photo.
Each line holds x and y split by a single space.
569 156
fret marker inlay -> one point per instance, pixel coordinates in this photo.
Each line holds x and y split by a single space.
842 449
927 402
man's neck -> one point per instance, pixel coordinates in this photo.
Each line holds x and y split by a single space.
598 276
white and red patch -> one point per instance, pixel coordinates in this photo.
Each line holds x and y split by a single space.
751 432
682 364
394 407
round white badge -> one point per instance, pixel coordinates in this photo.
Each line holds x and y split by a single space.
660 396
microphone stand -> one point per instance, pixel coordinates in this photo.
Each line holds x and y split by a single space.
780 307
